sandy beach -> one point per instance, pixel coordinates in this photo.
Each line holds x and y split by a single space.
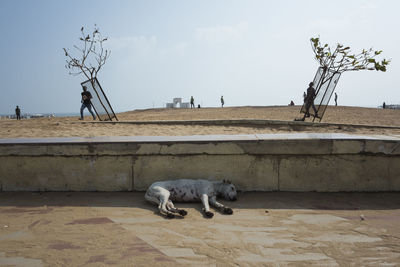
387 122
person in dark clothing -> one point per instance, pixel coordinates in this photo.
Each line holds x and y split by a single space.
18 113
191 102
222 101
310 100
86 103
335 99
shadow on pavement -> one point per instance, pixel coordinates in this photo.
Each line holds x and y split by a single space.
246 200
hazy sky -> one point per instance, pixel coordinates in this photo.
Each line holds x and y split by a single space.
251 52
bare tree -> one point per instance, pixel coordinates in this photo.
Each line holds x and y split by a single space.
91 55
90 58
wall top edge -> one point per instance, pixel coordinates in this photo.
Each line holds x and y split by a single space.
197 138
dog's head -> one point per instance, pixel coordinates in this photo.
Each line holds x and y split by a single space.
227 190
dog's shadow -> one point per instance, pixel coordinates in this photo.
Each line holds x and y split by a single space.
184 206
176 215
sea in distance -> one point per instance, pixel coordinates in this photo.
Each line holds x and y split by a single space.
38 115
67 114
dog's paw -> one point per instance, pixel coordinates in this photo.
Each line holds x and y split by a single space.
182 212
227 210
209 214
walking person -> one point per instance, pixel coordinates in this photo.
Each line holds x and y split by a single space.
222 101
335 99
310 101
86 103
192 102
18 113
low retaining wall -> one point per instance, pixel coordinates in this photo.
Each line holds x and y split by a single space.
295 125
265 162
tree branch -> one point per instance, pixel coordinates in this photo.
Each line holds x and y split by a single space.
92 55
341 60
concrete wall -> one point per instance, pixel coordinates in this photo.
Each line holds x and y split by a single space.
294 162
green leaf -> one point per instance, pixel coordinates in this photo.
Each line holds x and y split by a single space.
342 56
315 42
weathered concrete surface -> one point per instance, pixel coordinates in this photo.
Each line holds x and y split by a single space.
261 172
267 162
339 173
52 173
266 229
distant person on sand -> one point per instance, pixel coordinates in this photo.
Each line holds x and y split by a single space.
335 99
191 102
384 105
310 100
291 103
86 103
222 101
304 97
18 113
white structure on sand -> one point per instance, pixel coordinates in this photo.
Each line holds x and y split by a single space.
176 101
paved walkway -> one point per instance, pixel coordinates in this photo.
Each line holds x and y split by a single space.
267 229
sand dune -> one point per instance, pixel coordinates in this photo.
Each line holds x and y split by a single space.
71 126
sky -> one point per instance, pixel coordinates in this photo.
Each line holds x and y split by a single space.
253 52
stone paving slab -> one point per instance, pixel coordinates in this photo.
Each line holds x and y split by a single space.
267 229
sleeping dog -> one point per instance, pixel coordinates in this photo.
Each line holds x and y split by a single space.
185 190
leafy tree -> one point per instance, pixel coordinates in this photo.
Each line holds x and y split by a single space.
335 61
91 55
341 59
